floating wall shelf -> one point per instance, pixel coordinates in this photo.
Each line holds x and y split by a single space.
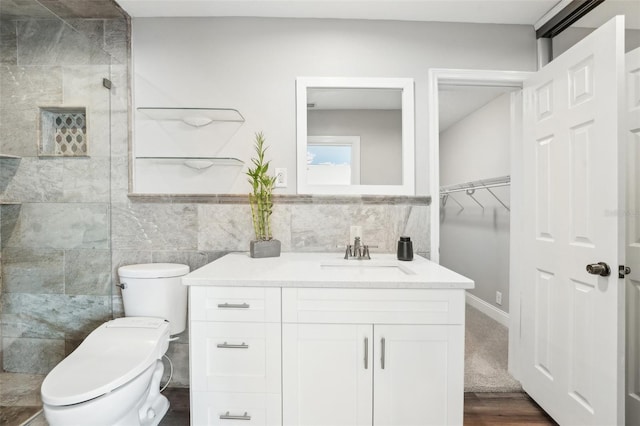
195 117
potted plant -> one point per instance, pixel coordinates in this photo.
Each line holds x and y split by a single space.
261 203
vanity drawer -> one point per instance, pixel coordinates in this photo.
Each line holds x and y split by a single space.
373 306
235 357
260 409
236 304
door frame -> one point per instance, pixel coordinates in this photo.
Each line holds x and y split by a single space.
470 77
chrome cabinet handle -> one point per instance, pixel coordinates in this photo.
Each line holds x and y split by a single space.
233 305
382 342
226 345
227 416
366 353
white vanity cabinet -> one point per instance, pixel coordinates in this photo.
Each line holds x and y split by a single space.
307 339
381 357
235 341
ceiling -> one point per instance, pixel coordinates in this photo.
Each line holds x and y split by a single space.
525 12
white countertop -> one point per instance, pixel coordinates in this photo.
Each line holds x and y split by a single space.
326 270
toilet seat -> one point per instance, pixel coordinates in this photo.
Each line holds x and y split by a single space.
112 355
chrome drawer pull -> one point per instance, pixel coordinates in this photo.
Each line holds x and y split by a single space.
226 345
382 344
227 416
233 305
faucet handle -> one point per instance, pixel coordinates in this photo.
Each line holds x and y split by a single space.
347 253
365 252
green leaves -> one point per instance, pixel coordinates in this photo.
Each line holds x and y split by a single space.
262 188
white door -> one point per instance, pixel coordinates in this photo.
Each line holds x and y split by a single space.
572 321
632 125
419 374
327 379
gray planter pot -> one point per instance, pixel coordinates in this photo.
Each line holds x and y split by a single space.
264 248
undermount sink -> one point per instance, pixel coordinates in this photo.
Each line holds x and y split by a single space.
369 266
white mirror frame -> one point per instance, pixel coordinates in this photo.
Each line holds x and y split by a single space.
408 140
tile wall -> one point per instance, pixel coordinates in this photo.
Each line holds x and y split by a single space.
67 224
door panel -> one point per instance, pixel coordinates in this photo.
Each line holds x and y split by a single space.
571 320
633 236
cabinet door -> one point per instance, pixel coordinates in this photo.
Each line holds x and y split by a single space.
418 375
327 374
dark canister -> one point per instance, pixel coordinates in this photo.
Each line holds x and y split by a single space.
405 249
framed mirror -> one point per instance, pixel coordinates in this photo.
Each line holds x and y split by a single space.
355 136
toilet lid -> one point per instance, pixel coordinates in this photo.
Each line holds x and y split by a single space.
112 355
153 270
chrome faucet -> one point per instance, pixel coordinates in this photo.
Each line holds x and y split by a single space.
357 250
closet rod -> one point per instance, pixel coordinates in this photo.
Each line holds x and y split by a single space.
476 184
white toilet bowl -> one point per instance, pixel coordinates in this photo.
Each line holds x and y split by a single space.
112 378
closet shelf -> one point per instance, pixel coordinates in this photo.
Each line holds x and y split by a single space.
195 117
470 188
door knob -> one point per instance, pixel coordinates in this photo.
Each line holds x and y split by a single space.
599 268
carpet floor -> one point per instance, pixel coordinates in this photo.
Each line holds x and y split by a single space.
486 349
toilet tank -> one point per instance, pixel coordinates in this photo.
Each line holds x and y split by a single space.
155 290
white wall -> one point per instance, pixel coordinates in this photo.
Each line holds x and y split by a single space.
475 242
251 64
563 41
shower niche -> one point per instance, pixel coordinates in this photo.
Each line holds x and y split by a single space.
63 132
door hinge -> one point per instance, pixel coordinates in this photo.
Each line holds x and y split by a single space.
623 270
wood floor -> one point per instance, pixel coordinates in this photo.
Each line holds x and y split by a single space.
503 409
479 409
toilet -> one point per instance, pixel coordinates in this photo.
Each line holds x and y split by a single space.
113 377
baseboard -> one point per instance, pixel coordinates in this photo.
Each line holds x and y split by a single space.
488 309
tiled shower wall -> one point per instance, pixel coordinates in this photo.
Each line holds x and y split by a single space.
55 213
75 224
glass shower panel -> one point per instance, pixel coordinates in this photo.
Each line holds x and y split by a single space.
56 119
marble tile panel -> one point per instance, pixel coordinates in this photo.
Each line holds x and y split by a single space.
195 259
52 42
10 214
326 227
8 169
82 86
116 39
92 29
119 134
23 9
120 95
26 87
179 355
228 227
154 227
96 9
86 179
53 316
27 270
35 180
36 356
417 227
87 272
58 225
119 180
19 132
20 390
8 42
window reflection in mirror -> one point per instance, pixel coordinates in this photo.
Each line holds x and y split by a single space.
355 136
